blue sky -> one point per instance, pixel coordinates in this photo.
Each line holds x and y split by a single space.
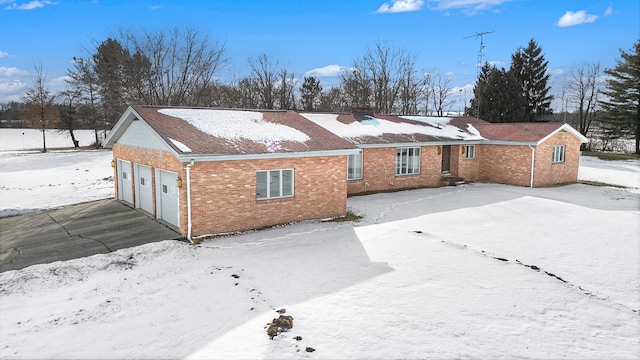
319 37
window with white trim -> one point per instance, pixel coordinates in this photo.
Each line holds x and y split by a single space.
407 161
274 184
470 151
354 166
558 154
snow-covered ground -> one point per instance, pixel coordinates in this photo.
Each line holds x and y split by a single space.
31 139
622 173
474 271
35 181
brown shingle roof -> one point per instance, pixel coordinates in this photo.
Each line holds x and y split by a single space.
526 132
204 143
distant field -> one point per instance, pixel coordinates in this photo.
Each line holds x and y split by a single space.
31 139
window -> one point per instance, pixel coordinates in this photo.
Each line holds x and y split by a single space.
558 154
124 175
407 161
273 184
165 189
142 181
354 166
470 151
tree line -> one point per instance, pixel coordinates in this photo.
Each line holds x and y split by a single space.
181 67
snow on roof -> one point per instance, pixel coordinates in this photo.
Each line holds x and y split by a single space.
438 127
235 124
182 147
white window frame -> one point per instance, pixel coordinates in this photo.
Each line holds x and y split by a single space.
280 184
354 166
558 154
408 161
470 152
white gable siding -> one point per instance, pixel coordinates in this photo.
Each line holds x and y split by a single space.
141 135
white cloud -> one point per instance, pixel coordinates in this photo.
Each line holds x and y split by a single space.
60 81
468 6
155 7
571 18
326 71
36 4
12 87
12 71
3 54
556 71
400 6
608 11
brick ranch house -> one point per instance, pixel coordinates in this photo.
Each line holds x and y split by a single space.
208 171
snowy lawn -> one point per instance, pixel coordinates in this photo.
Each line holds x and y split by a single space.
33 181
475 271
622 173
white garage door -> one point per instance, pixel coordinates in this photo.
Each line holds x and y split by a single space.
167 197
144 191
125 186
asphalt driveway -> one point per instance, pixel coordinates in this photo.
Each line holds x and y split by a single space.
76 231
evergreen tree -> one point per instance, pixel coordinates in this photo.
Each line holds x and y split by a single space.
497 97
530 69
621 115
310 93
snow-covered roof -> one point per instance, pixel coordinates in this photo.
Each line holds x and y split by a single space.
392 129
217 132
234 124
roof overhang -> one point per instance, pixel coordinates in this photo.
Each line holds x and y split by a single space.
568 128
263 156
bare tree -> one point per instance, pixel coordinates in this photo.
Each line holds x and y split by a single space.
172 68
355 84
440 89
583 87
40 111
84 84
409 87
386 68
264 73
286 86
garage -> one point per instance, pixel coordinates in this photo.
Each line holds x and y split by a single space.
167 197
125 186
144 189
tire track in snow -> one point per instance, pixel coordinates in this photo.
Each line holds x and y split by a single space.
489 255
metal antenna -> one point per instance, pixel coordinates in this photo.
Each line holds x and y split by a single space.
479 64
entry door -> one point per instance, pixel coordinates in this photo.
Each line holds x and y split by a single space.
125 186
446 159
144 191
167 197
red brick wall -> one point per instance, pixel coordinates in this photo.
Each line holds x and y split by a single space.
223 193
380 167
469 169
505 164
547 173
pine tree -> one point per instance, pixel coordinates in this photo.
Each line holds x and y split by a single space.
497 97
530 69
310 93
621 111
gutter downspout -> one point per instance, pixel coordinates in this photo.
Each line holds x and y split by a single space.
533 159
188 169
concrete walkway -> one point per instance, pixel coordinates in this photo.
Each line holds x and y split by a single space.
76 231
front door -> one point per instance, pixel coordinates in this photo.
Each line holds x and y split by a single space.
125 185
167 196
446 159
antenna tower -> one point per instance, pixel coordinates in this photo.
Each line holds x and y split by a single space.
479 64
